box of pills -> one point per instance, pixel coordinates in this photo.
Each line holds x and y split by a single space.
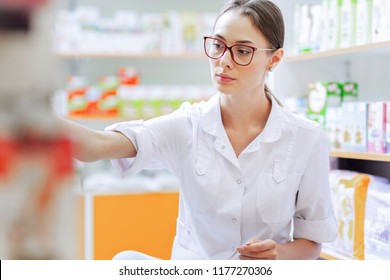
376 130
333 126
354 126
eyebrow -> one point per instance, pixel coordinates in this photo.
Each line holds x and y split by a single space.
240 41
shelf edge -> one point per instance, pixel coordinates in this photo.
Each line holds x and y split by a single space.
337 52
360 155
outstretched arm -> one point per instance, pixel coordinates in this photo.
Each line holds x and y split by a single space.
93 145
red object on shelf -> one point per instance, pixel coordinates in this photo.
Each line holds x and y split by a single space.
7 153
108 104
77 102
128 76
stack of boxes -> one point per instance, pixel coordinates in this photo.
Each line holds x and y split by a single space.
100 99
122 96
351 125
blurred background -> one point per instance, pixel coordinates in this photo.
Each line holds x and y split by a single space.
100 62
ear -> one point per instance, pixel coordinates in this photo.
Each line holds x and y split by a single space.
275 59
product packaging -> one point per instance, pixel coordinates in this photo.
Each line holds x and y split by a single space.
348 23
305 29
108 102
76 88
334 24
350 91
377 220
321 96
362 22
354 126
131 100
376 123
333 126
379 20
349 192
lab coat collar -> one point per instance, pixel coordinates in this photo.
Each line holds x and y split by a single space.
211 121
273 128
211 115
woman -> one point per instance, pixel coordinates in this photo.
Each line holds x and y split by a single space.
254 177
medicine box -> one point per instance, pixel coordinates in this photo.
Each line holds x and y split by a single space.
350 91
376 131
321 96
354 126
333 126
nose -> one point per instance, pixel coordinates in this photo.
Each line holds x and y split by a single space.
226 59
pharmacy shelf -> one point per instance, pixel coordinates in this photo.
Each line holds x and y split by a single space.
329 254
360 155
367 48
157 55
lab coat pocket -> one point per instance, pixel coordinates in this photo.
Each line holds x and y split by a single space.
276 194
203 190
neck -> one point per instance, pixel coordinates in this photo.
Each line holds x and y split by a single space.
245 111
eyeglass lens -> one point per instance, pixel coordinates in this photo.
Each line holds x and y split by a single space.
216 48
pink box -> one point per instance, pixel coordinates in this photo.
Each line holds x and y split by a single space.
376 127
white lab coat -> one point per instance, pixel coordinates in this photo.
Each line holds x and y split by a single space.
278 187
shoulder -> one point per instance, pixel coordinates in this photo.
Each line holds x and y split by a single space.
195 111
300 122
304 128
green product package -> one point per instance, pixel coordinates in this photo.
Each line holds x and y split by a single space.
321 96
350 91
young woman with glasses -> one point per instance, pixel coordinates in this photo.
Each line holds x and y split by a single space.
253 176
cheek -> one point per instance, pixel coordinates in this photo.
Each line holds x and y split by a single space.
252 72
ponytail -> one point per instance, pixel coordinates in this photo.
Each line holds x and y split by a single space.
270 95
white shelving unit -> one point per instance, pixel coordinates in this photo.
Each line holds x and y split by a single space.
366 64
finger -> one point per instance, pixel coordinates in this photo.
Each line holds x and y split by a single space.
258 246
247 258
257 254
267 255
261 245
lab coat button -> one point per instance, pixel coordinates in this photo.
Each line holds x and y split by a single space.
200 171
223 147
238 181
234 220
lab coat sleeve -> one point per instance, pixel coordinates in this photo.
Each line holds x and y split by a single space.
157 141
137 133
314 218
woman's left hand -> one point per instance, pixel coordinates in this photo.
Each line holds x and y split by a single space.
258 250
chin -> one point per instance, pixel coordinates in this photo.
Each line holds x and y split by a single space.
226 90
223 88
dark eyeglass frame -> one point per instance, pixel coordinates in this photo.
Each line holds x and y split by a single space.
230 50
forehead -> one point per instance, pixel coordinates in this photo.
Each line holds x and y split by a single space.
234 26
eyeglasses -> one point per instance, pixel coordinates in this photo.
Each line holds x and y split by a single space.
241 54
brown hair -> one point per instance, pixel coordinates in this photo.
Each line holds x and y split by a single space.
266 16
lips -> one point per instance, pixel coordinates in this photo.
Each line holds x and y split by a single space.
224 78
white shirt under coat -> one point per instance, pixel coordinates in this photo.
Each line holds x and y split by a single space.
279 180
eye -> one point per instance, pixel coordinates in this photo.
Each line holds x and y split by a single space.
242 50
218 45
